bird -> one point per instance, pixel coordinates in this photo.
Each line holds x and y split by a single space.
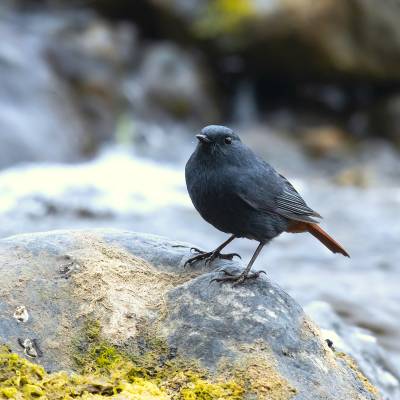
240 194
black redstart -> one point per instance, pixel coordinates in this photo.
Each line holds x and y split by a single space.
239 193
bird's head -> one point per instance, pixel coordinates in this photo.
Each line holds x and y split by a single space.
218 137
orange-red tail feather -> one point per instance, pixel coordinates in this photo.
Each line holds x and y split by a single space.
326 240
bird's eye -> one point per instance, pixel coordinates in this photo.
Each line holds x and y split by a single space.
228 140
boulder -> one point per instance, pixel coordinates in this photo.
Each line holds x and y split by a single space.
71 296
60 83
92 57
172 81
33 102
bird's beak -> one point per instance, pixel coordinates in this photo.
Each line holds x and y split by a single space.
203 139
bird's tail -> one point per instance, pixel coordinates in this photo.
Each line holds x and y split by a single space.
326 240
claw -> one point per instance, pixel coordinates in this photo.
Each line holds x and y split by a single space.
230 256
191 260
227 272
209 257
237 279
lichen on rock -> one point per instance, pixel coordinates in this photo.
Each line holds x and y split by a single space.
258 372
118 287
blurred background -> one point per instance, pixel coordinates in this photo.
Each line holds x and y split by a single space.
100 102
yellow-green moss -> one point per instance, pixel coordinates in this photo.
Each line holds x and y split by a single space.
145 370
22 379
224 17
148 370
205 390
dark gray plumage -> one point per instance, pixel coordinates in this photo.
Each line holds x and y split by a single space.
239 193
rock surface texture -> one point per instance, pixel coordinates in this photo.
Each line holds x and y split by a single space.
134 285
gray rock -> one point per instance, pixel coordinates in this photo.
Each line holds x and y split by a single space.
361 345
60 84
119 278
171 82
33 102
93 56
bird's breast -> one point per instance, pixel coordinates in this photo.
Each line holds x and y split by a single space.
213 198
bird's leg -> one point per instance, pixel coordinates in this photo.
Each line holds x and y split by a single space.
238 279
212 255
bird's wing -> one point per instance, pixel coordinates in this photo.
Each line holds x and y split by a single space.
291 205
266 190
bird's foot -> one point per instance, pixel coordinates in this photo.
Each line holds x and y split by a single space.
237 279
208 257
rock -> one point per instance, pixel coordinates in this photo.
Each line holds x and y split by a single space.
299 37
359 344
60 84
93 56
33 102
133 290
170 93
171 81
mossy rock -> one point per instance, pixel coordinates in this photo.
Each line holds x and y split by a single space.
121 315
